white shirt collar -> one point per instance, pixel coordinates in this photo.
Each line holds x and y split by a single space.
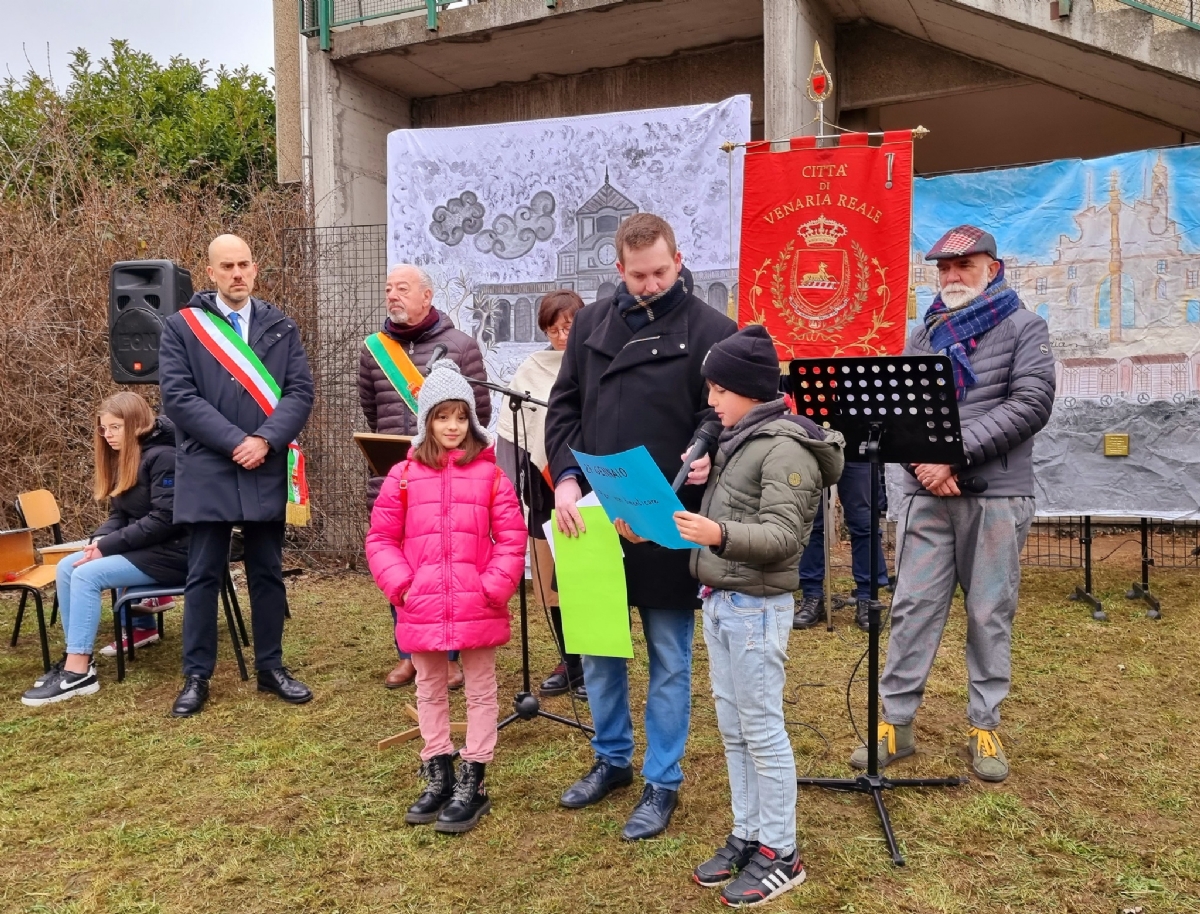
243 314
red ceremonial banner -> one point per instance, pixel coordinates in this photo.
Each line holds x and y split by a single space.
826 235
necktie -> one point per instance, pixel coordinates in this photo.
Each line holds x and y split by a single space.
235 320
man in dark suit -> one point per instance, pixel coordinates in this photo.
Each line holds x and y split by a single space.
631 376
232 464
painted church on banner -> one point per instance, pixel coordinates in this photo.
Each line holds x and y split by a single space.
507 312
1121 296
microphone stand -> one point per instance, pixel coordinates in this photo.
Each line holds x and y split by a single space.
525 704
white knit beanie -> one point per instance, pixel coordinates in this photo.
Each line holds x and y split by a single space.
445 382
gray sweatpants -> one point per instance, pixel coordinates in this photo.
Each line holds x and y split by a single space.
943 542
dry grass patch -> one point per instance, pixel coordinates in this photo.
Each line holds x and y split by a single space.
109 805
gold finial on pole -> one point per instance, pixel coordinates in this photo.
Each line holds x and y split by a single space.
820 80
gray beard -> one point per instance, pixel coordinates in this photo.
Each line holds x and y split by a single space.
959 299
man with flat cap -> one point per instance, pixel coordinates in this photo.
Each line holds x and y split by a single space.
1004 380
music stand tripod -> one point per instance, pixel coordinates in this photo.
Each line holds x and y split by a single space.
525 704
891 409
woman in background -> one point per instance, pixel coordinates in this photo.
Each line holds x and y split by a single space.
537 375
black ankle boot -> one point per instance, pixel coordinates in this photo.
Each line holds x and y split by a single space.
470 803
439 789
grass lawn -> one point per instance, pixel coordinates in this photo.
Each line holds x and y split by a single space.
109 805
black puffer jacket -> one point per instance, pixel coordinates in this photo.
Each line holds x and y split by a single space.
139 526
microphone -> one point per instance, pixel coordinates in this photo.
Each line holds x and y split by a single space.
698 448
439 351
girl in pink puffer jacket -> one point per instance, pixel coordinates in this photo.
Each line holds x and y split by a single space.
447 548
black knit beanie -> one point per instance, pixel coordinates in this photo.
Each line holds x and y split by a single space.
745 363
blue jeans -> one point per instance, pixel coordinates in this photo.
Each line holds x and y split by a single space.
747 640
669 634
80 590
855 494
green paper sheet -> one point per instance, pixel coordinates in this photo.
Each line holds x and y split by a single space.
591 588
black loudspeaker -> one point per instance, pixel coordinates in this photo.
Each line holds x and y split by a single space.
142 294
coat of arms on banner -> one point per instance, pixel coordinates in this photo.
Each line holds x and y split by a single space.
824 260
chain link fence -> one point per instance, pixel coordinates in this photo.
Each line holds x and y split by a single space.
334 282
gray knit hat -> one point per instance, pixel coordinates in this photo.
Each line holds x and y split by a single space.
445 382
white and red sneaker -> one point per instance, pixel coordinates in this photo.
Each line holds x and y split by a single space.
142 637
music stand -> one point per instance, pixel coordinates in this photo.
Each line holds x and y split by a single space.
890 409
525 704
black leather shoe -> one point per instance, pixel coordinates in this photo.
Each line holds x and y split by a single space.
596 785
280 682
556 683
580 693
808 613
191 700
652 815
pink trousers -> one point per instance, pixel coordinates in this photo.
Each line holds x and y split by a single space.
433 703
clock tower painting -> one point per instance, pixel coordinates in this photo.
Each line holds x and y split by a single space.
588 265
592 256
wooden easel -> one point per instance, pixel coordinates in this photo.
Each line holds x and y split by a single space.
413 732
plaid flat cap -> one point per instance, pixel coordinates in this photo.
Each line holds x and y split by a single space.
963 242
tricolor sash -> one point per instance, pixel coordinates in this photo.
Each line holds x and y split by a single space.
397 367
226 345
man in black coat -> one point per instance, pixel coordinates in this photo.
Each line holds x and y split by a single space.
631 376
232 467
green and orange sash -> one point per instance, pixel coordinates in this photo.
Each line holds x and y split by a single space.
226 345
397 367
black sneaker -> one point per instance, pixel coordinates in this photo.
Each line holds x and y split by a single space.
59 685
729 859
766 876
808 613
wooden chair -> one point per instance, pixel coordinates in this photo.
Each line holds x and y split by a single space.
19 571
38 510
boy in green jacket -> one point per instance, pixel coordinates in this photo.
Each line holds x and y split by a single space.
755 521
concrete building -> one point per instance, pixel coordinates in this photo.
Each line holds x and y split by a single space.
998 82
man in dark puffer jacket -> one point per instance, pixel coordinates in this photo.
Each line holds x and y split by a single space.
415 324
1004 380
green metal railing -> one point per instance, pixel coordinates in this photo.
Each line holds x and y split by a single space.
320 17
1185 12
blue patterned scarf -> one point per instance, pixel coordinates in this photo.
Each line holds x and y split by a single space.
957 333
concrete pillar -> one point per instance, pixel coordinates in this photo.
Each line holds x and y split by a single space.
288 144
350 120
789 29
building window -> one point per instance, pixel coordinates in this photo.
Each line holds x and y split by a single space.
1016 274
1043 311
718 296
1072 272
1041 285
568 262
1162 266
1193 278
606 224
919 274
524 321
1073 294
1193 311
588 226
